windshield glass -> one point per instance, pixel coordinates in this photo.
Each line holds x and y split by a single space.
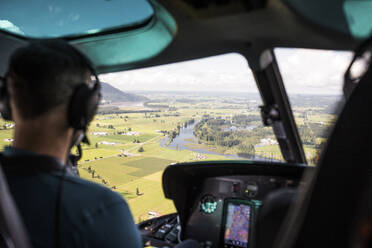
51 19
206 109
314 82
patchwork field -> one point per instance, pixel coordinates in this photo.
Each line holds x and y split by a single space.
128 155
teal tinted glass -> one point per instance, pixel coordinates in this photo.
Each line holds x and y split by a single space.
57 18
347 16
359 18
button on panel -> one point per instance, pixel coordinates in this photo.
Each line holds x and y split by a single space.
251 190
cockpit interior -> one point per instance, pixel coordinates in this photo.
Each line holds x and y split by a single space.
285 202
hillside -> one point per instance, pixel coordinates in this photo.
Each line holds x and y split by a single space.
112 94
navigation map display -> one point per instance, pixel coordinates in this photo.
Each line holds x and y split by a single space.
237 224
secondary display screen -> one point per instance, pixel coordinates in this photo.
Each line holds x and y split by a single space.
237 224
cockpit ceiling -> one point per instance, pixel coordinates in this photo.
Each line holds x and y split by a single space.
206 9
179 31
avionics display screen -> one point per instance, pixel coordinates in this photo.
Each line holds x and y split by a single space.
237 224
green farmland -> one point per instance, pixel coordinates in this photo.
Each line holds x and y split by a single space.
126 155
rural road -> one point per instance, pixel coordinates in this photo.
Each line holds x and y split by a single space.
141 144
125 151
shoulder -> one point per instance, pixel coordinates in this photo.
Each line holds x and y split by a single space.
91 204
100 211
93 193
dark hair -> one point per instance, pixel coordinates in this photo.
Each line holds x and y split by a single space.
44 75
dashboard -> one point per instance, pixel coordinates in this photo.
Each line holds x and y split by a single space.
227 207
217 211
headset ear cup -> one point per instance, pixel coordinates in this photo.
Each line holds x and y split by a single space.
83 106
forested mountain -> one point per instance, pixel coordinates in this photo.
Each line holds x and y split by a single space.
112 94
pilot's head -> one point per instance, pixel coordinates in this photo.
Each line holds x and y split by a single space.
42 77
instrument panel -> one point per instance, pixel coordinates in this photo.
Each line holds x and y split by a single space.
218 202
226 204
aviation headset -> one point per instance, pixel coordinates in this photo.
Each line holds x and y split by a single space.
83 103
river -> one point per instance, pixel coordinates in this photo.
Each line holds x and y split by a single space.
187 136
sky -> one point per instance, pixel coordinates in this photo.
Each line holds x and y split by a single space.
304 71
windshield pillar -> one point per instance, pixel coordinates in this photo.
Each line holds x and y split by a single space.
276 110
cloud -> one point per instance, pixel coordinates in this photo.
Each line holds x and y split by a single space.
303 71
313 71
221 73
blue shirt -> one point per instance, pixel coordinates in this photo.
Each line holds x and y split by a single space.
92 215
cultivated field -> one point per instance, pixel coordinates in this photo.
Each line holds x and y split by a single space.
125 152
